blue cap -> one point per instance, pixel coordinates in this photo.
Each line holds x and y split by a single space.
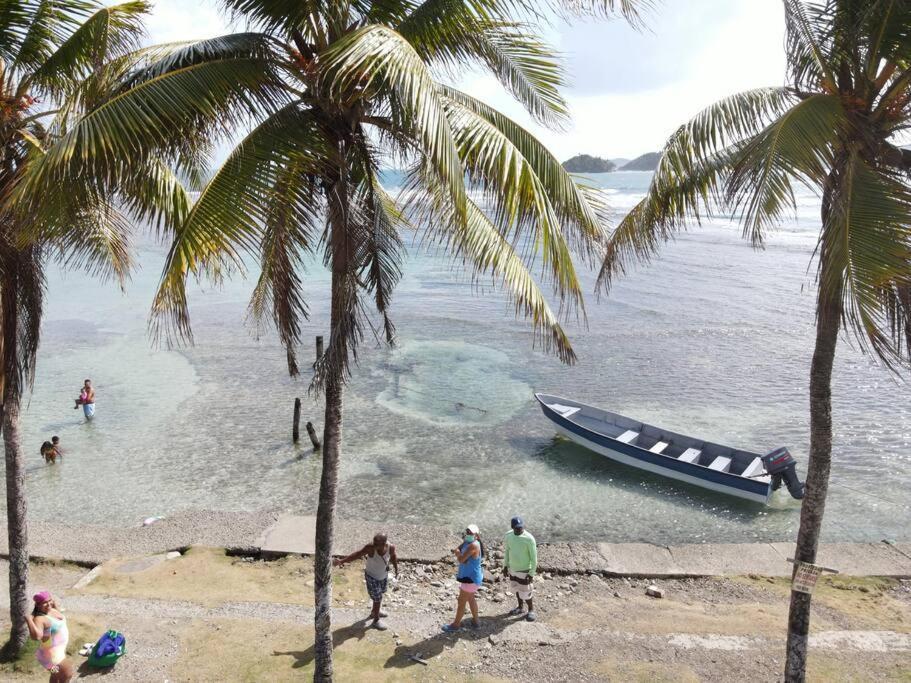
517 522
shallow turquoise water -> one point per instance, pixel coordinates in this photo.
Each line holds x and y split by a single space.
712 339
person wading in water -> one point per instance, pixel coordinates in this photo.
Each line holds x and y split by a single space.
86 400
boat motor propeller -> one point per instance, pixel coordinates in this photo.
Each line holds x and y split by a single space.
781 465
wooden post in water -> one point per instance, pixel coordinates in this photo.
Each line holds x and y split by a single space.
313 438
296 427
319 347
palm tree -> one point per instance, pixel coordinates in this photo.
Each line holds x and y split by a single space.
329 90
57 61
833 129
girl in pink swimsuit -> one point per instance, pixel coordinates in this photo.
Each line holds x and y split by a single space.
47 625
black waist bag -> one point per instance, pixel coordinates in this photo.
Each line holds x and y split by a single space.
521 582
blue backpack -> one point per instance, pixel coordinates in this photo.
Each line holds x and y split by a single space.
110 647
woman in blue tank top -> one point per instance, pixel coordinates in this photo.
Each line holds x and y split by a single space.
470 577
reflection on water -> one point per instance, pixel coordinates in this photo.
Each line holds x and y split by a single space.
714 340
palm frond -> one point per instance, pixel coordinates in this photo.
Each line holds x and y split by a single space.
580 208
375 54
239 202
287 235
865 249
111 32
30 29
152 118
691 176
96 240
519 201
480 245
456 33
22 290
381 252
798 145
807 60
671 201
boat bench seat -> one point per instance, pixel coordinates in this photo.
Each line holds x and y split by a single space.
690 455
565 411
658 447
627 436
720 464
753 468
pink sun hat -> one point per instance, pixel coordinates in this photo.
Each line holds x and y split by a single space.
41 596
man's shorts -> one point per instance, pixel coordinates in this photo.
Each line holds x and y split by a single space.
524 591
375 587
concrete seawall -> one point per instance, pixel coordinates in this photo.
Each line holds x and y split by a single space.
273 535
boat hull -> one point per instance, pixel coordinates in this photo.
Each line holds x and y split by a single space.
728 484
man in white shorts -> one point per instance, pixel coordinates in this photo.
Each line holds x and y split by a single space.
520 560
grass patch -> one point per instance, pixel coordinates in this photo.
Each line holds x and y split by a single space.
823 668
209 577
864 600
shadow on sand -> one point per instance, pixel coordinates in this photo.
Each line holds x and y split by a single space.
424 649
86 671
431 647
341 635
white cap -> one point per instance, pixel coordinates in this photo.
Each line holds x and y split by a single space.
473 528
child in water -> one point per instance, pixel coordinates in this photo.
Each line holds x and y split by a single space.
83 397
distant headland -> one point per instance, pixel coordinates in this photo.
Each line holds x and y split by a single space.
585 163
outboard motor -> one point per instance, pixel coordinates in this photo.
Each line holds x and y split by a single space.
781 465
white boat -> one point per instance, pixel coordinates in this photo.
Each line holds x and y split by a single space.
712 466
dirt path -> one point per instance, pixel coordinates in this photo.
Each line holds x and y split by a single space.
206 617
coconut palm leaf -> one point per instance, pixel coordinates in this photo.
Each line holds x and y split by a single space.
582 210
693 174
381 250
479 243
807 57
375 54
29 29
109 33
238 203
519 200
797 146
287 235
455 33
154 115
866 248
95 240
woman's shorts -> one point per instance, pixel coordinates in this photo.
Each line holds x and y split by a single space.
469 587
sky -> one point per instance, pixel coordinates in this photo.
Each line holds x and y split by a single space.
629 89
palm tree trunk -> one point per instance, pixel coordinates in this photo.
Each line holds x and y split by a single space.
17 529
817 485
325 519
336 362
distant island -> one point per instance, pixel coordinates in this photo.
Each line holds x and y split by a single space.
586 163
646 162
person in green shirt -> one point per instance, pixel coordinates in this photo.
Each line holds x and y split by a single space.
520 561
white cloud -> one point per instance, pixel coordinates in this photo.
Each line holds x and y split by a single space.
745 50
179 20
633 90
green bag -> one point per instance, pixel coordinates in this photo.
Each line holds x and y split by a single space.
110 647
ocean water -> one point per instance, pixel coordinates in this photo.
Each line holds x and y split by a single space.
713 339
